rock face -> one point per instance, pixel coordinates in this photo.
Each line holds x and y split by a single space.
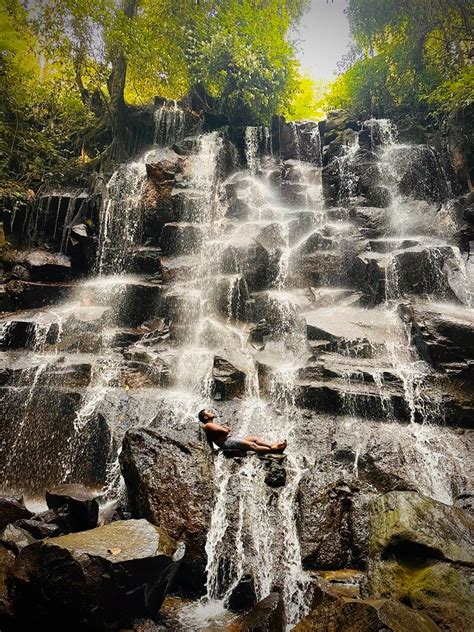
333 524
170 483
40 265
82 504
95 580
266 616
338 614
421 553
443 336
228 379
11 510
405 518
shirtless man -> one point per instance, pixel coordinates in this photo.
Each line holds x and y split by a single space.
220 435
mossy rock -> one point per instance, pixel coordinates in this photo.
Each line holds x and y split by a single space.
410 524
354 615
439 590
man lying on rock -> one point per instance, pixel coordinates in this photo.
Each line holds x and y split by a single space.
220 435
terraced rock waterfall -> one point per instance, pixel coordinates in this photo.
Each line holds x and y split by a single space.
304 288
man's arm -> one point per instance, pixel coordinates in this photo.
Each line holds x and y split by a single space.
211 444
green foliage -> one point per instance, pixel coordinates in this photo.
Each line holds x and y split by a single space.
410 57
41 117
239 52
307 100
68 66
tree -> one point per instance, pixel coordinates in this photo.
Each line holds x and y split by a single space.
407 50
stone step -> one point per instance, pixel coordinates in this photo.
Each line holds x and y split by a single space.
351 368
179 268
390 244
362 399
327 296
343 324
320 268
181 238
32 295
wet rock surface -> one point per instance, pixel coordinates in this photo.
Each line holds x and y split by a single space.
267 615
99 579
334 612
11 510
182 502
421 554
342 324
82 504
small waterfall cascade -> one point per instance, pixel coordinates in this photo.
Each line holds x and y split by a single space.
295 306
170 123
257 144
121 216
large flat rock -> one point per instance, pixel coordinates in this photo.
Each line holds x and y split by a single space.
99 579
377 326
407 519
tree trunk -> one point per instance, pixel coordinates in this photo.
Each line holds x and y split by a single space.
116 86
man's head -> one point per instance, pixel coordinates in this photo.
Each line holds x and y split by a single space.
206 415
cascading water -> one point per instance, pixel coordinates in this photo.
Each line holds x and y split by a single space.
120 220
253 302
170 123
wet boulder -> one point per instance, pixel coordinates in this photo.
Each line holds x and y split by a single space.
443 336
38 529
82 247
259 265
367 273
41 265
426 270
243 596
15 538
7 560
169 478
11 510
320 268
409 521
372 220
334 522
275 476
336 613
229 380
180 238
421 174
421 552
82 503
266 616
99 579
229 293
30 295
146 260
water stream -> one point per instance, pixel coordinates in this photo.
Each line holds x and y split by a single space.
252 233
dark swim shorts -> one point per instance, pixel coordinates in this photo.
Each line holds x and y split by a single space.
234 443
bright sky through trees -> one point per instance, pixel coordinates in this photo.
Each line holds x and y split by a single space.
324 35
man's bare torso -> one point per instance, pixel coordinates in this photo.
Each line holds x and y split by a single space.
216 433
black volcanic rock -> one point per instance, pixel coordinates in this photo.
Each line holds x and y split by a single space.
169 481
99 579
11 510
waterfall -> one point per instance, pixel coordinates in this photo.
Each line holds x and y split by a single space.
170 121
261 300
253 528
121 216
257 144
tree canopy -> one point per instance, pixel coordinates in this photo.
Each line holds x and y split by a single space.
72 69
409 55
